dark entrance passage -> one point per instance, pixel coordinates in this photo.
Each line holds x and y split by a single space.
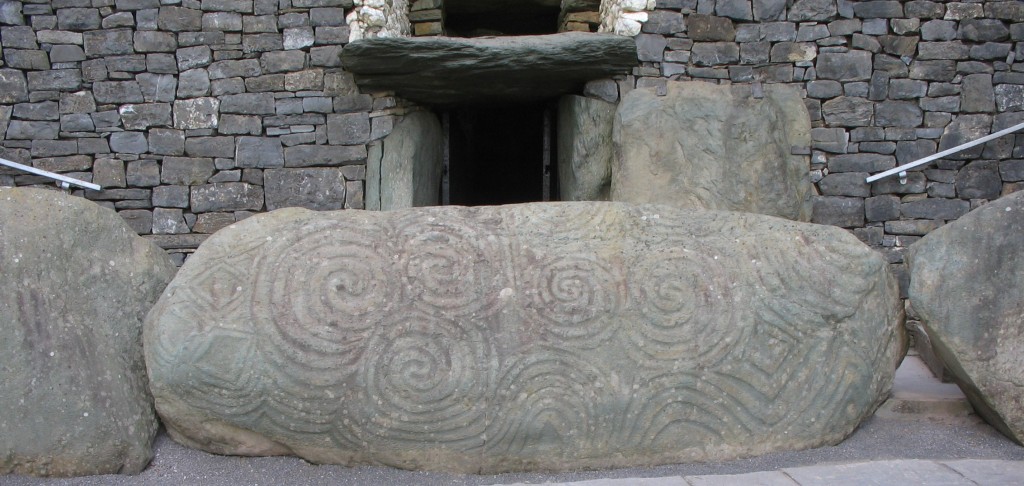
499 155
475 18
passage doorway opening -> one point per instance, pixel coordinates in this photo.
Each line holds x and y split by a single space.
476 18
499 155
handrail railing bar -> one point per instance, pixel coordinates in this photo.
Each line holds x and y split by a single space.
925 160
57 177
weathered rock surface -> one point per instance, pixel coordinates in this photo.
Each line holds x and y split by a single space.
541 336
966 282
77 283
404 170
584 148
713 147
450 71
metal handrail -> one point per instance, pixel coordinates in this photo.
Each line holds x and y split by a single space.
902 170
63 181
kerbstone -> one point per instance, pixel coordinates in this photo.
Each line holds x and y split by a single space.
657 135
974 318
75 400
523 378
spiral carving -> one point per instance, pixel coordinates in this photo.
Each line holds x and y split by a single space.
428 380
550 399
574 298
451 268
681 294
318 295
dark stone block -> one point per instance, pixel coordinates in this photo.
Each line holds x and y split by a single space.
710 28
882 208
878 9
910 150
112 42
845 184
933 208
983 30
898 114
227 196
979 180
848 112
844 66
316 189
846 212
916 184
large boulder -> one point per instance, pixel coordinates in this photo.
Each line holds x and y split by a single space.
966 282
714 147
76 285
404 169
530 337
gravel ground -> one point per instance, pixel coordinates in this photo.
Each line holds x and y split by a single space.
877 439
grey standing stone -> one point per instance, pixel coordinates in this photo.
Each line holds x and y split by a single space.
966 286
585 149
227 196
13 87
342 301
689 140
259 153
404 169
75 397
316 189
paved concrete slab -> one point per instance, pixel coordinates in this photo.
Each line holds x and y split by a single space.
878 473
989 473
764 478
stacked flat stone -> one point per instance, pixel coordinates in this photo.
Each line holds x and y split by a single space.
145 97
377 18
427 17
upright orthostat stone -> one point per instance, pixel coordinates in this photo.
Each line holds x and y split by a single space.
714 147
541 336
966 283
584 148
77 282
404 170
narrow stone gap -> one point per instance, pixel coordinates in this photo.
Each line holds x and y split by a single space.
496 154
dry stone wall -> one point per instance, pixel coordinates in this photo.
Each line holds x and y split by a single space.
191 114
885 83
197 113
